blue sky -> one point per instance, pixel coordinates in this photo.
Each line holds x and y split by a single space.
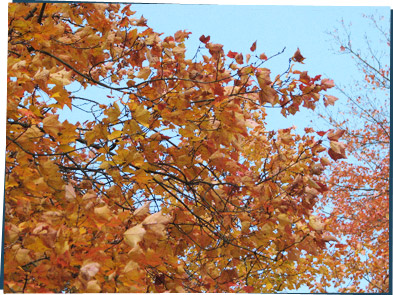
273 27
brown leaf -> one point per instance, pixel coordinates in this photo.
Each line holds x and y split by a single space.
335 136
298 57
253 46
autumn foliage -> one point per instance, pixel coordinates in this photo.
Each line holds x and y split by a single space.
359 195
171 182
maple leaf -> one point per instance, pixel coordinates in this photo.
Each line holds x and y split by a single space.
22 256
316 224
335 136
144 73
337 150
11 232
134 235
321 133
327 83
42 75
329 100
142 115
298 57
263 56
239 58
204 39
70 194
232 54
62 77
89 270
131 266
328 237
103 212
156 223
143 210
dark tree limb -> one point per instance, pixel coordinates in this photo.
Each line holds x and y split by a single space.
41 13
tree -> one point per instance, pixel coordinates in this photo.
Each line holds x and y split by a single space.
173 182
359 194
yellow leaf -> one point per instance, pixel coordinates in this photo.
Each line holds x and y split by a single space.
31 133
266 228
105 165
315 223
115 134
144 73
143 210
22 256
113 112
62 77
131 266
93 287
156 223
70 192
10 182
284 218
186 132
103 212
325 161
11 232
134 235
142 115
42 75
65 148
37 246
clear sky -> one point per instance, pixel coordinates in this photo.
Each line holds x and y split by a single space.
273 27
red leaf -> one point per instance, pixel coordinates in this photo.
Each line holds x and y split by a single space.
321 133
263 56
254 46
248 289
204 39
232 54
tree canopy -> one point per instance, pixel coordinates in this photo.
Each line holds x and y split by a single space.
170 183
359 195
